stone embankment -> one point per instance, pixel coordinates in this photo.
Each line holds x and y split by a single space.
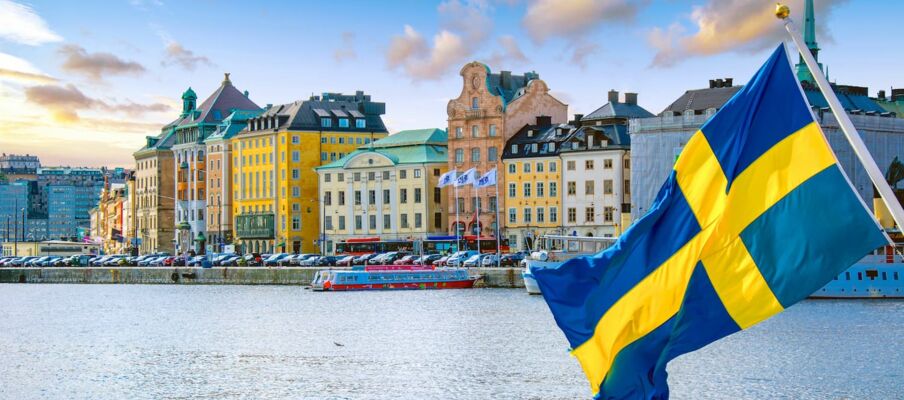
492 277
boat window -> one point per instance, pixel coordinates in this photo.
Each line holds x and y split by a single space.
884 276
859 276
847 275
896 275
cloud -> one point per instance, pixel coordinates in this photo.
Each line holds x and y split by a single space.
581 51
572 19
176 54
15 69
64 103
19 23
346 51
510 54
725 26
464 28
96 65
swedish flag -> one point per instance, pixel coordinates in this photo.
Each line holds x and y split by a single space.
756 216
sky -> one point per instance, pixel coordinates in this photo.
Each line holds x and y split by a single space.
83 83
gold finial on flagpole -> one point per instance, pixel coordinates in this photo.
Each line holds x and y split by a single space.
782 11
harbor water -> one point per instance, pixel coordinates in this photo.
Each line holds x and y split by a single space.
284 342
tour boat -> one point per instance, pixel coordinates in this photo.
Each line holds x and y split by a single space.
393 277
555 249
878 275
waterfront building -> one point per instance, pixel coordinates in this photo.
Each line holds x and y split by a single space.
14 167
154 191
219 177
13 210
67 209
531 187
194 125
490 109
275 193
386 189
657 141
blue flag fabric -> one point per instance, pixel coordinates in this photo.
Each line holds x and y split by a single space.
755 216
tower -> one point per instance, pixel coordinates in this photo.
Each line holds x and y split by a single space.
803 73
188 101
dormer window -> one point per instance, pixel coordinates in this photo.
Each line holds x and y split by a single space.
530 133
326 122
533 148
551 146
360 123
514 149
343 122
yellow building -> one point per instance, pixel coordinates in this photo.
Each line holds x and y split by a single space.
532 189
386 190
275 186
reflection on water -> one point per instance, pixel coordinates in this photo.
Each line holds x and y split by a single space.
269 342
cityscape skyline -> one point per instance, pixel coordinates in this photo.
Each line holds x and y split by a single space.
107 80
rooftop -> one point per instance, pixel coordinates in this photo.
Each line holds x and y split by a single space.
416 146
307 114
615 109
542 139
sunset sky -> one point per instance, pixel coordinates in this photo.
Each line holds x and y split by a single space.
82 83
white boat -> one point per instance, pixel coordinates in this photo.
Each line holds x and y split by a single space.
878 275
553 250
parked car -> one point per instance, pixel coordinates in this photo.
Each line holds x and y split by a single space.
274 259
345 261
440 262
476 260
511 260
362 260
327 261
459 257
490 260
386 258
427 259
407 260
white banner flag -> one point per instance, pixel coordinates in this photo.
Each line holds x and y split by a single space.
447 179
488 179
469 177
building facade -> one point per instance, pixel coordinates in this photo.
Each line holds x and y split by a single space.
194 125
386 189
154 194
490 109
275 186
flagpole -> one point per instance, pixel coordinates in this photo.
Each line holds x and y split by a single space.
850 132
477 213
457 238
498 243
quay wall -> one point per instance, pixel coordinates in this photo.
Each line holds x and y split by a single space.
492 277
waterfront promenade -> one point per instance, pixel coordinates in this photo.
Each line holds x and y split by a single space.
492 277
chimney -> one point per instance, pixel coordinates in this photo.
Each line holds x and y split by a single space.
578 117
630 98
881 95
613 96
712 83
544 120
505 79
728 82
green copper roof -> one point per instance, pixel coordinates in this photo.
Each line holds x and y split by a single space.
412 137
416 154
189 94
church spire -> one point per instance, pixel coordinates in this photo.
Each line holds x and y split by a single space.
803 73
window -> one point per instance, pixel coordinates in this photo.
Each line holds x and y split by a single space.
385 175
492 130
512 190
492 154
627 189
459 156
527 215
540 166
358 222
541 217
514 149
328 222
417 195
475 131
323 140
295 139
512 168
341 198
458 132
438 220
572 188
588 214
588 165
343 122
326 177
493 203
332 156
513 215
474 104
417 173
436 172
296 191
294 173
437 195
387 221
570 166
296 156
525 167
342 222
608 214
332 140
403 174
371 197
540 190
460 203
607 186
357 197
326 123
572 215
627 163
475 154
418 220
327 198
607 163
553 189
403 196
341 177
526 189
404 221
386 196
588 187
341 140
553 214
372 222
360 123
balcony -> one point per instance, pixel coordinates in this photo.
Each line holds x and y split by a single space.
474 114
